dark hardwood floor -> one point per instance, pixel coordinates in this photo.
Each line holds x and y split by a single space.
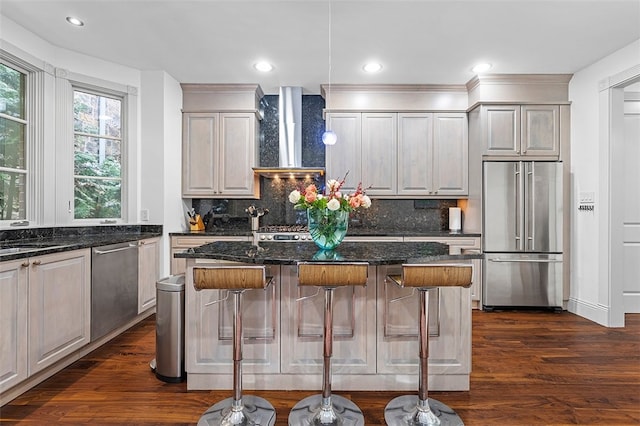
529 368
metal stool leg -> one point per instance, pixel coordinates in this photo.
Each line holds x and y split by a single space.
239 410
420 410
326 409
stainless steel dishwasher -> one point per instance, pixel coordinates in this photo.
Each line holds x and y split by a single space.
114 287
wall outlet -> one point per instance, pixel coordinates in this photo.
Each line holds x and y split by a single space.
144 215
587 197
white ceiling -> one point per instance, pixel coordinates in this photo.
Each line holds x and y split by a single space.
313 42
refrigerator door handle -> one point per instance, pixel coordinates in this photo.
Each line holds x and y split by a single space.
531 207
518 204
498 260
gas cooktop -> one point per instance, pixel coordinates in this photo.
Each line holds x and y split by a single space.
283 233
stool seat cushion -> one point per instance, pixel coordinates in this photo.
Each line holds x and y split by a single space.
435 275
230 278
332 274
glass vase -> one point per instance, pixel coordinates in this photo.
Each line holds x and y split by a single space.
327 227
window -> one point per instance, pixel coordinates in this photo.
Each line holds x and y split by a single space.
13 144
98 161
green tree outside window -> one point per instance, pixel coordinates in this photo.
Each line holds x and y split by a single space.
97 156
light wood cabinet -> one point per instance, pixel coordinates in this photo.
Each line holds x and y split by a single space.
180 243
400 154
354 346
449 332
521 130
375 344
209 329
345 155
432 154
218 153
13 322
378 153
148 272
58 306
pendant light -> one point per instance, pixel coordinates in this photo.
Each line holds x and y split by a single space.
329 137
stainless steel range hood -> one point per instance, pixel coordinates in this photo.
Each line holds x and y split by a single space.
290 146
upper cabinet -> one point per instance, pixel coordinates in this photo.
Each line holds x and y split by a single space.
519 115
398 155
400 141
521 130
220 140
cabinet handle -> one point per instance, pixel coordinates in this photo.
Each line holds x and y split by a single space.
36 262
25 264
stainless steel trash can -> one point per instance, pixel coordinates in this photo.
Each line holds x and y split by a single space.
169 362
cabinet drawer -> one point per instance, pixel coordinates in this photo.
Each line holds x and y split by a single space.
188 242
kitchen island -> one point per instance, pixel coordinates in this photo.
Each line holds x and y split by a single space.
375 327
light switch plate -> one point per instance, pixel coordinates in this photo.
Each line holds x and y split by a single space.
144 215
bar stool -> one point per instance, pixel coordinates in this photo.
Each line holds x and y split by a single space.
237 410
421 410
328 409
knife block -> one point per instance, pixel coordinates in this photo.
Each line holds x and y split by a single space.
196 223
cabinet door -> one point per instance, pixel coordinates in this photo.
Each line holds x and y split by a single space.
415 153
148 272
345 155
199 152
449 330
59 306
237 155
209 328
13 323
354 346
379 153
540 130
451 154
501 124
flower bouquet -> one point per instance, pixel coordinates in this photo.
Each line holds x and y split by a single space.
328 213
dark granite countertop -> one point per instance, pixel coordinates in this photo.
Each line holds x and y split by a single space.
353 232
386 253
40 241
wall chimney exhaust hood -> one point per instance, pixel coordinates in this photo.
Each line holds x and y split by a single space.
290 146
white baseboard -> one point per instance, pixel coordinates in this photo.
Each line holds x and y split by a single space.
631 303
593 312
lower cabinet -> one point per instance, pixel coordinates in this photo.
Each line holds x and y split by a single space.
449 332
354 330
209 330
375 342
45 311
59 306
148 272
13 322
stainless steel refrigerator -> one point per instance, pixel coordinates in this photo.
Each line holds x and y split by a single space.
522 234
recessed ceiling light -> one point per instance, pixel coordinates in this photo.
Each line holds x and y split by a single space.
263 66
372 67
75 21
481 67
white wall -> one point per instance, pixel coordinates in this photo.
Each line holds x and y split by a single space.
160 168
589 296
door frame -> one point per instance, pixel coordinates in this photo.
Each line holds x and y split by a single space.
612 189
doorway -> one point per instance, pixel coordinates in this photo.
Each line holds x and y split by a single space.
620 227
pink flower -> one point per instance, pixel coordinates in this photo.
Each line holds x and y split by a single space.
354 202
310 197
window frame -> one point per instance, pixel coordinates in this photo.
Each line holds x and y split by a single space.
33 117
123 148
67 83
